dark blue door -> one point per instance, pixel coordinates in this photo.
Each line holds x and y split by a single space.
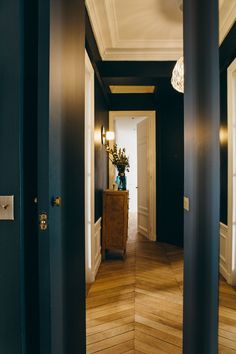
50 197
61 73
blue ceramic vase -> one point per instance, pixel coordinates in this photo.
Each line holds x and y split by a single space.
121 178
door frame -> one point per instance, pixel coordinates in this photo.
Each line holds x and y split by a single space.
151 116
231 247
89 130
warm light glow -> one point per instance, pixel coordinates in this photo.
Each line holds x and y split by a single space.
103 135
177 79
97 136
110 135
223 135
131 89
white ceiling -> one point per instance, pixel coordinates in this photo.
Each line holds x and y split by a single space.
145 29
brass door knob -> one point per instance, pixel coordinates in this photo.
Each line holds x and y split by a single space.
56 201
43 222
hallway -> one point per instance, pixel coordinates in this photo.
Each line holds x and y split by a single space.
135 306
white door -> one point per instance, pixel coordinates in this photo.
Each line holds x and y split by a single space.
142 178
146 178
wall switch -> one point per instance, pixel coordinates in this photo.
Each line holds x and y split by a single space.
186 203
7 207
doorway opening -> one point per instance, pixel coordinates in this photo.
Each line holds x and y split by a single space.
136 132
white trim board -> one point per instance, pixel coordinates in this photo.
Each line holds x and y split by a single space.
89 169
231 93
151 115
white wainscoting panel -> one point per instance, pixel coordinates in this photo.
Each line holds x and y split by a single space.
224 252
96 255
97 246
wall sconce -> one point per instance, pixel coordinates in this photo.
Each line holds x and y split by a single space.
110 136
106 136
223 135
103 135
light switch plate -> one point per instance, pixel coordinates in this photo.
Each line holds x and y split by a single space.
186 203
7 207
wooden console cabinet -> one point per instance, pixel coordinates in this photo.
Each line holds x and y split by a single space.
115 221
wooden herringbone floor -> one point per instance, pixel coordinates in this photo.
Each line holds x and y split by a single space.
136 304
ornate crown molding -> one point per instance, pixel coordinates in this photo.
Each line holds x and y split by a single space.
104 22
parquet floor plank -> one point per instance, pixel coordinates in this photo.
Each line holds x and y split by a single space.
93 338
135 305
116 340
118 349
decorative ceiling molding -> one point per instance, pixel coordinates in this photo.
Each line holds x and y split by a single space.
227 18
112 21
160 54
95 23
112 45
105 23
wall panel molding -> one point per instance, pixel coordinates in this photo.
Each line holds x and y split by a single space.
224 252
97 246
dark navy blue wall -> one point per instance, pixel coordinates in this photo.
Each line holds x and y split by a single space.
170 164
11 250
101 162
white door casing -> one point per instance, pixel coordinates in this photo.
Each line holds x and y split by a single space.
92 231
231 238
142 178
151 162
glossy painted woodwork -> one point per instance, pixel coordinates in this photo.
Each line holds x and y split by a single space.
202 176
61 101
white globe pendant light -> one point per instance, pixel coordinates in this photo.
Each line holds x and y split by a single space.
177 79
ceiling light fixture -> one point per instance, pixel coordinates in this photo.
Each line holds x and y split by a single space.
177 79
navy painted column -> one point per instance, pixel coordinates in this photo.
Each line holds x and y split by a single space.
202 180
